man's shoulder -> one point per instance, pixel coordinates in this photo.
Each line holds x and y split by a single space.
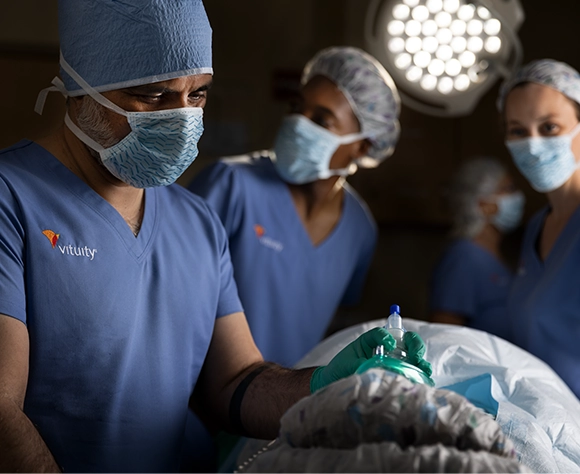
247 165
253 159
19 151
249 168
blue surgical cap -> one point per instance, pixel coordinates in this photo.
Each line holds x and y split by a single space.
113 44
370 91
546 72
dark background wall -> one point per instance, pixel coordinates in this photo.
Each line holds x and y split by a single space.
259 49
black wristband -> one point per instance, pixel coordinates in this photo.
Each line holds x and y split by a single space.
238 396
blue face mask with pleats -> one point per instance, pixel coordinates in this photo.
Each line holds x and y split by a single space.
304 149
510 210
159 148
546 162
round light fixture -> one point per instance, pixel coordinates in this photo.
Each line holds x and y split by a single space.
444 51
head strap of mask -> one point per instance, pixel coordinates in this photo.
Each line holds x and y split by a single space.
58 86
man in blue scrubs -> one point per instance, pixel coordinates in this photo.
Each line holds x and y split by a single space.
301 238
117 296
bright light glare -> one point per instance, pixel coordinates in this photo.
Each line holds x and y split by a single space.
401 12
444 36
414 74
462 82
492 27
411 3
430 44
420 13
428 82
467 59
451 6
396 45
422 59
475 44
458 27
436 67
403 61
483 13
445 85
475 72
458 44
474 27
443 19
434 6
396 28
413 28
492 44
413 45
466 12
429 28
445 53
453 67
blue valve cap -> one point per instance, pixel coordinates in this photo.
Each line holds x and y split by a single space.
395 309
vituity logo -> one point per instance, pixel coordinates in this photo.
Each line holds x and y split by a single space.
71 250
52 237
265 240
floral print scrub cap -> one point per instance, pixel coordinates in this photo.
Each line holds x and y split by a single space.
370 91
547 72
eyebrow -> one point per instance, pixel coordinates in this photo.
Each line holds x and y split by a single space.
161 89
540 119
325 110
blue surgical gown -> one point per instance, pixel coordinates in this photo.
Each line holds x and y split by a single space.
290 288
544 303
470 281
119 326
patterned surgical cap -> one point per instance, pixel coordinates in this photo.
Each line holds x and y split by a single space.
370 91
115 44
547 72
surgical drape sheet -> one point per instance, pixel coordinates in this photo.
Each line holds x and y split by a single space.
537 411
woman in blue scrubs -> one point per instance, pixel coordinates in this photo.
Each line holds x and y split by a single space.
301 239
542 115
471 281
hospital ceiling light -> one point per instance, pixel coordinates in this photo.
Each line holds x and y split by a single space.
445 54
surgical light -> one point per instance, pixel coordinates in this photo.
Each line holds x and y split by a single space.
444 54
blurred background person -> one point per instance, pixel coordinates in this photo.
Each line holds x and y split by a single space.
471 281
540 106
301 238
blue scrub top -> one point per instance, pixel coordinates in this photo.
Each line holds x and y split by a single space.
290 288
119 326
470 281
544 304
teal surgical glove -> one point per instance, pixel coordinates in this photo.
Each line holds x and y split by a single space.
416 351
351 357
347 361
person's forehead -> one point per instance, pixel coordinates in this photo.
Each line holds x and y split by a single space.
178 84
321 89
532 97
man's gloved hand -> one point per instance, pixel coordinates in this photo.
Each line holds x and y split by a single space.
416 351
348 360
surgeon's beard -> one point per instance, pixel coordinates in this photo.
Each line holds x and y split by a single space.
92 120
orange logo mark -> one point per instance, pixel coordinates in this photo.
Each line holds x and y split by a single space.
260 231
51 236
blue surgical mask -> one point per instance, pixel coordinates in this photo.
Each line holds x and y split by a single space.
510 210
546 162
304 149
159 148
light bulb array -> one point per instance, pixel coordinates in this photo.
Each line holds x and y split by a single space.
439 44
